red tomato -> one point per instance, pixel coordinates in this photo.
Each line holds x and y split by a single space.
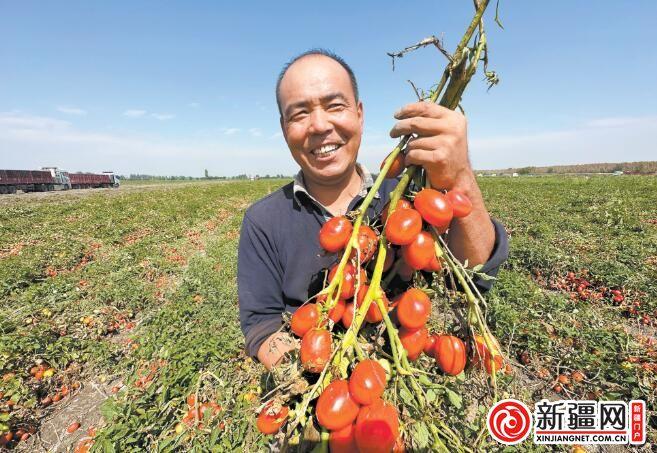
434 207
305 318
403 226
335 314
397 166
367 381
343 440
413 341
460 202
419 252
316 348
335 233
335 407
271 418
373 314
414 309
73 427
450 354
377 427
348 315
484 355
434 265
367 243
430 346
403 203
348 280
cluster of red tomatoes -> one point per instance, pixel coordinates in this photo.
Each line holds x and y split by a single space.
197 413
404 227
579 288
352 409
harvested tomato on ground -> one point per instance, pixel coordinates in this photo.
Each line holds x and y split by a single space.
271 418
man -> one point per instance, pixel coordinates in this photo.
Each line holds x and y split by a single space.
280 261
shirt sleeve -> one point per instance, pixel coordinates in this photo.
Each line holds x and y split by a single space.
259 286
498 256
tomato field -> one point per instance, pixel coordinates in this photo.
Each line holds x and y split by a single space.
119 312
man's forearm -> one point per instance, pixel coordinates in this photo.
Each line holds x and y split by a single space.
472 237
274 348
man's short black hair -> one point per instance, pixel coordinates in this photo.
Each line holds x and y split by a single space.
318 51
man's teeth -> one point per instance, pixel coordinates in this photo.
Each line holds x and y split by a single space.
324 150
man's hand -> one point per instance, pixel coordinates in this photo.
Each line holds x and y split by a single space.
441 147
274 348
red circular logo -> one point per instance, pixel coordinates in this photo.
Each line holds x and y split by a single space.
509 421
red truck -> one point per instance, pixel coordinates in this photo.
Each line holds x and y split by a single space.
52 178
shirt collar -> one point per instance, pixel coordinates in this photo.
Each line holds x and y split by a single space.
367 181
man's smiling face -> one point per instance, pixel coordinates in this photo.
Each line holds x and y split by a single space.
321 120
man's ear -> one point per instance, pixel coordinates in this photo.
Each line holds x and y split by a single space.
361 113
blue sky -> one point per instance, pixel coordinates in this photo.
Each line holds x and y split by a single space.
177 87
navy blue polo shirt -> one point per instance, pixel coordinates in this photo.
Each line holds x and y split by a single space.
280 261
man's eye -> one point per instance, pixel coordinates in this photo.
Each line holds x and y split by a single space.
336 106
298 115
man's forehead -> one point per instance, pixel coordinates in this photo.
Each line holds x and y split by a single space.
315 76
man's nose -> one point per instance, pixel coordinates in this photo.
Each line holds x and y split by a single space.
319 122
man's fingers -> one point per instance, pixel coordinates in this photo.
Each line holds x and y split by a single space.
432 142
420 126
423 108
424 157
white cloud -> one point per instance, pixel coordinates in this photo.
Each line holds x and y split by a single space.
133 113
39 141
163 116
194 105
599 140
17 121
276 135
71 110
36 141
255 132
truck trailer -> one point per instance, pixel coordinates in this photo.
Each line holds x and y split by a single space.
52 178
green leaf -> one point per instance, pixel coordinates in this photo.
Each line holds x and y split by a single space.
406 397
424 380
421 436
108 411
431 396
454 398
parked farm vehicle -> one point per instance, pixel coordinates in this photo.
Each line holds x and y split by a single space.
52 178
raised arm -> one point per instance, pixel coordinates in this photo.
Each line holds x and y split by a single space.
441 147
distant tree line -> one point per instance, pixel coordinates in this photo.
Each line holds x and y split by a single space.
632 168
